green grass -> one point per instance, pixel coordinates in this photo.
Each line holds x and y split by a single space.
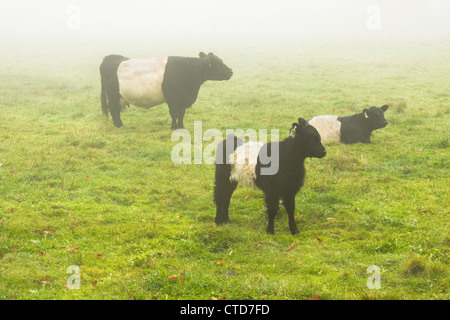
69 179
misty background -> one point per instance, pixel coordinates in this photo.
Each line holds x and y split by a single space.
236 18
54 37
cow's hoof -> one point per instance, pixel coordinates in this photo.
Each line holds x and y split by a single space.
220 222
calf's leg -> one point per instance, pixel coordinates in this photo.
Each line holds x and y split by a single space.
223 190
272 205
289 205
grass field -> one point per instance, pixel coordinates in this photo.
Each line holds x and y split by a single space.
75 191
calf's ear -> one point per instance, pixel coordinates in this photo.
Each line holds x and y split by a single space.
202 54
293 129
384 108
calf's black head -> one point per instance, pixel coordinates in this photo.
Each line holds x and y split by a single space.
217 70
307 140
374 117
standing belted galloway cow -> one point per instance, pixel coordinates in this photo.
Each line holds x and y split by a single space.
239 162
150 82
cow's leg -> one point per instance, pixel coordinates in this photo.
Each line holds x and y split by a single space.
174 116
123 103
289 204
180 117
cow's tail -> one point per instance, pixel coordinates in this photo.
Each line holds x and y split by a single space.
103 97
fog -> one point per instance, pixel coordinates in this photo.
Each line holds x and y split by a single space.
235 18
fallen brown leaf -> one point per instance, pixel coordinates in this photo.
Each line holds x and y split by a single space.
292 246
331 219
173 277
334 234
45 281
94 283
98 255
320 241
47 232
74 249
315 298
42 254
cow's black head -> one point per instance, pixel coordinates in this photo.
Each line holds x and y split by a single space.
307 140
374 117
217 70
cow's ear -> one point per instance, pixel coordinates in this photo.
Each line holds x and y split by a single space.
202 54
301 122
366 115
384 108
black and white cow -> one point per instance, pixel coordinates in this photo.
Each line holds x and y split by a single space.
351 129
150 82
239 162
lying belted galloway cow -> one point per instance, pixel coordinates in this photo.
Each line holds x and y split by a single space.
150 82
350 129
